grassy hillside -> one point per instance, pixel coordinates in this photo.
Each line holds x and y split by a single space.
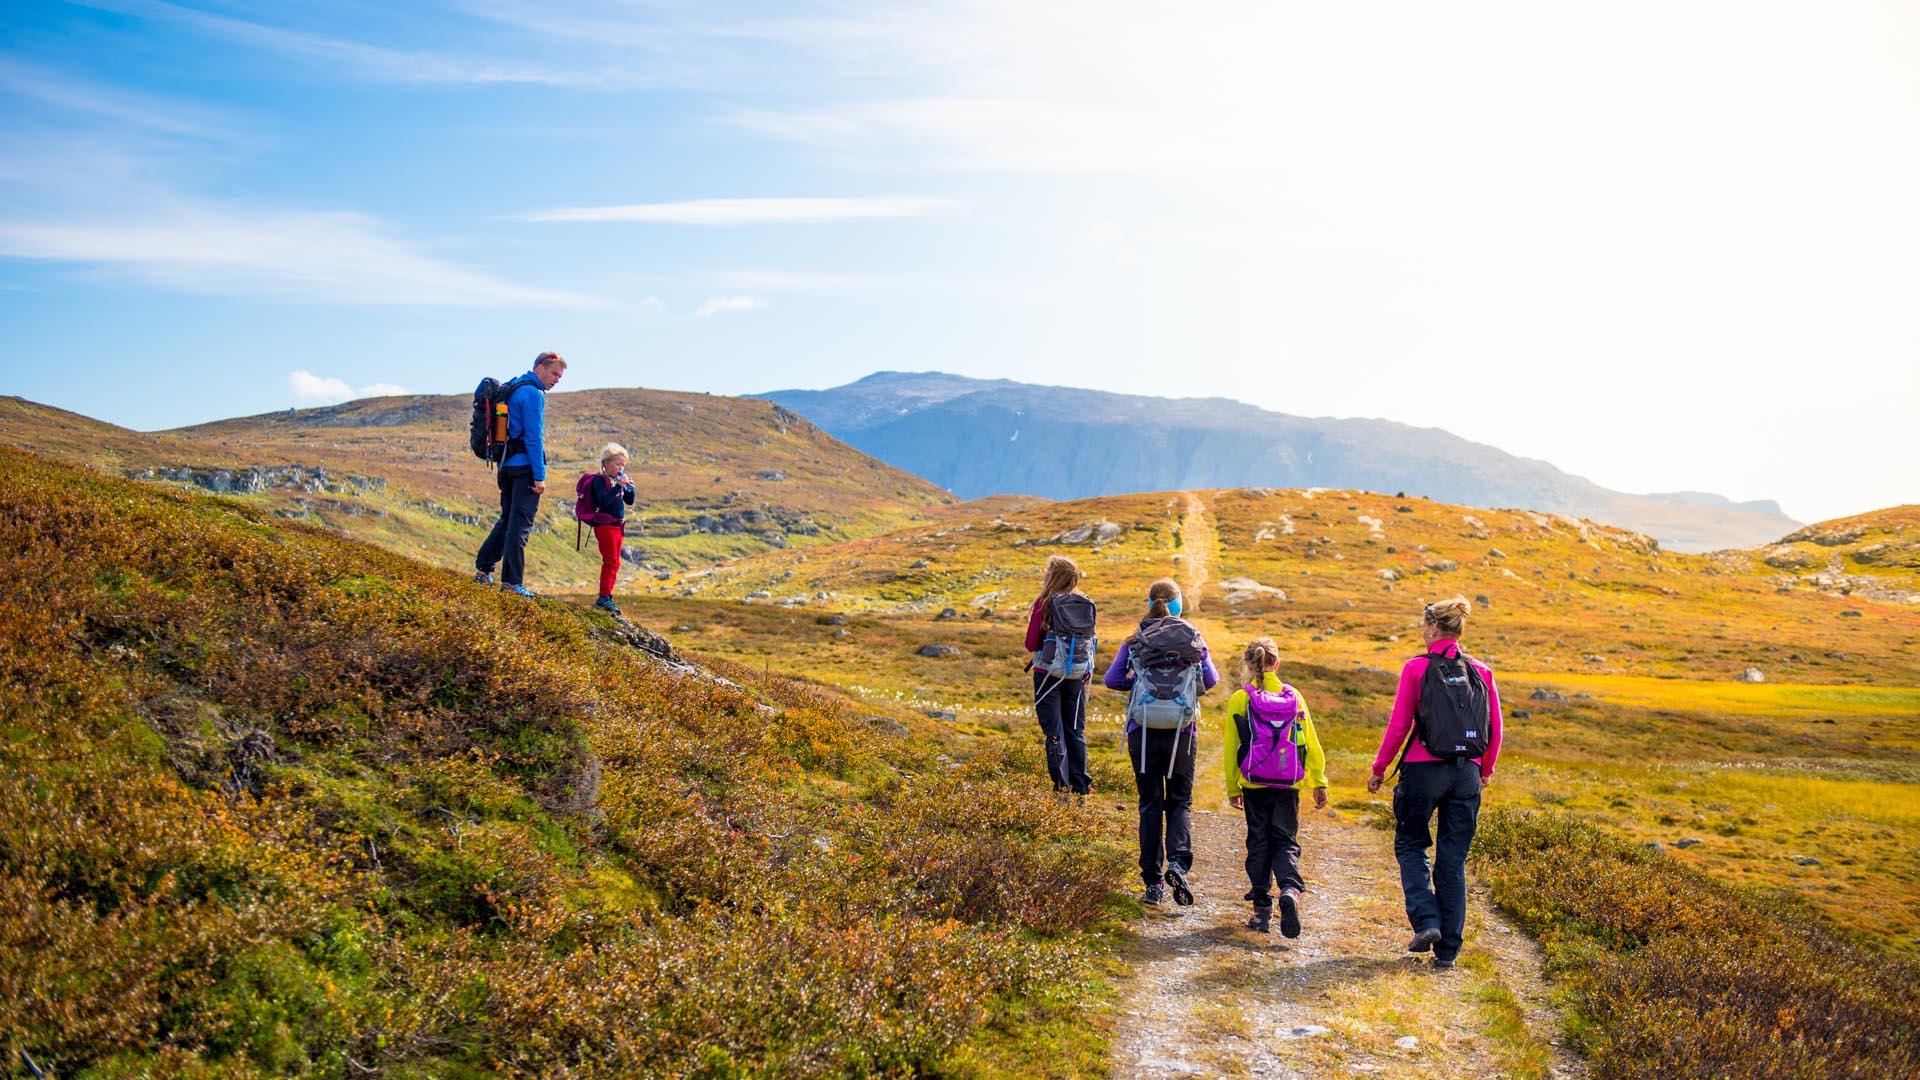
1619 662
718 477
274 801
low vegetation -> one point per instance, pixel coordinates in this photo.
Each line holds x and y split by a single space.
1675 974
273 801
719 477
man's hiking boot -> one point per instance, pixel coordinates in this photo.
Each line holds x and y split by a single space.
607 605
1153 895
1181 894
483 577
1423 941
1289 914
1260 920
1442 965
517 590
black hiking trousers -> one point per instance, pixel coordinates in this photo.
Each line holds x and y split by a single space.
1166 803
507 543
1273 847
1062 710
1436 900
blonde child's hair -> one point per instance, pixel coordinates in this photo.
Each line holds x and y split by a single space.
613 450
1449 616
1260 657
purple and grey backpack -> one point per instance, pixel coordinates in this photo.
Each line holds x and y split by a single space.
1269 737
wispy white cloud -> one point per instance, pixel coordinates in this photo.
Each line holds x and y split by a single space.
714 305
311 389
777 211
302 255
72 95
356 58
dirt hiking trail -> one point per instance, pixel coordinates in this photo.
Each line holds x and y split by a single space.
1213 999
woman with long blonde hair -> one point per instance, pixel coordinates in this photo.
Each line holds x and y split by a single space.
1061 643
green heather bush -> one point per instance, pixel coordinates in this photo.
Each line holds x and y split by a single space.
1676 974
275 802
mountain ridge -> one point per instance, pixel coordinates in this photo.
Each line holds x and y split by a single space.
966 435
720 476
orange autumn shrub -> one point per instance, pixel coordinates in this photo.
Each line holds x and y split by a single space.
1676 974
272 801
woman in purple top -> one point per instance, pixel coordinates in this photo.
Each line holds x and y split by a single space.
1163 757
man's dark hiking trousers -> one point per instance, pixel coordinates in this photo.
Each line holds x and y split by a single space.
1163 801
507 543
1451 789
1273 847
1062 710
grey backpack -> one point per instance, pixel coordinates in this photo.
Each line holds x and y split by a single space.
1165 659
1067 650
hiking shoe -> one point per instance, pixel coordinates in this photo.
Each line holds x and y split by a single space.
1260 920
1423 941
1289 915
1153 895
482 577
1181 894
517 590
607 605
1442 965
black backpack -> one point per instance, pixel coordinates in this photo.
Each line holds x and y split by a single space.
487 431
1452 716
1067 650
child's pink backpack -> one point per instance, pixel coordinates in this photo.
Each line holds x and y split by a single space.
583 511
1269 737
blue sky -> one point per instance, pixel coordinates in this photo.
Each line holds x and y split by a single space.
1663 247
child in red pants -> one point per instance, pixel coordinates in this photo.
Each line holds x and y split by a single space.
611 493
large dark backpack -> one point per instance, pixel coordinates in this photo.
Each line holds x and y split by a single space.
1452 716
1165 658
1068 649
487 431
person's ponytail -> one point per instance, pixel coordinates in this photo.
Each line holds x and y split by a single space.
1160 598
1261 656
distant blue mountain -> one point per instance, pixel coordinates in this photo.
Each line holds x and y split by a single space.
978 437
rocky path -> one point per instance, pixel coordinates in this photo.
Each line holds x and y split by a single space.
1198 547
1345 998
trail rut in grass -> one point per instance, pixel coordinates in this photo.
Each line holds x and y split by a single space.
1199 544
1214 999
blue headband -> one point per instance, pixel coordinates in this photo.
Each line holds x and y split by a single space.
1173 606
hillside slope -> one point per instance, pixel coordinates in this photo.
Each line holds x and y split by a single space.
1675 837
1624 662
276 802
718 476
977 437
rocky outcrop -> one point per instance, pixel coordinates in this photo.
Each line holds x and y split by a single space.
1093 532
314 480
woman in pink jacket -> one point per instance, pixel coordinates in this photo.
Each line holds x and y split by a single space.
1446 730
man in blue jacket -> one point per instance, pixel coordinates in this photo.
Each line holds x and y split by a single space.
523 475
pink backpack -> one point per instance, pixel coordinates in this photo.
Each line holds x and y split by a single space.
1269 750
583 510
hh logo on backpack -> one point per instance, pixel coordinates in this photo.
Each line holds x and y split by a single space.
1453 711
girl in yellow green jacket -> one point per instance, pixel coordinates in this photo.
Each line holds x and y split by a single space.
1271 749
